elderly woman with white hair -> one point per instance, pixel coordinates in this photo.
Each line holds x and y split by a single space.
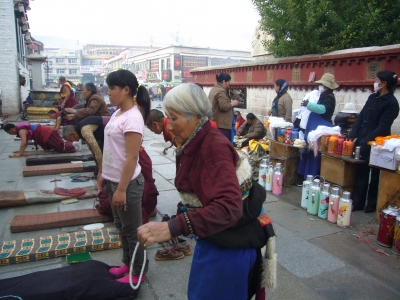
213 191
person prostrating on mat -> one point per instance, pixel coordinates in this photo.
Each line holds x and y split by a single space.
121 172
44 136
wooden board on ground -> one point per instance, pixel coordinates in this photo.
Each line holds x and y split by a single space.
289 157
57 169
57 159
389 191
25 223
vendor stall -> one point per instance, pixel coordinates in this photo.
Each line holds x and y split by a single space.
339 170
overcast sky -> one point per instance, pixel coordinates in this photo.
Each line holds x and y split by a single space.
223 24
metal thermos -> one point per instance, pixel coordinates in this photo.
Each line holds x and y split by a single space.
357 152
277 180
304 192
387 226
333 205
344 212
268 180
313 197
262 173
324 202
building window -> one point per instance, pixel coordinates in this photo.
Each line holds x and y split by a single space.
50 62
60 71
240 95
168 64
60 60
73 71
72 60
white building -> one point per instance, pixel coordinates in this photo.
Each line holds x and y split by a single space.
62 62
173 63
14 40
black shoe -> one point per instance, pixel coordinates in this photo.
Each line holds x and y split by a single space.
165 218
369 209
299 183
355 208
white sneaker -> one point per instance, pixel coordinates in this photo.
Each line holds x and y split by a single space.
78 146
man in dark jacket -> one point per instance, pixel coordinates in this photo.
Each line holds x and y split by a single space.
375 119
253 128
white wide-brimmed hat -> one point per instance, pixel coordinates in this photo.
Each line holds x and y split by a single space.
349 108
328 80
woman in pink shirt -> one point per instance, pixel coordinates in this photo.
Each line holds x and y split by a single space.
121 174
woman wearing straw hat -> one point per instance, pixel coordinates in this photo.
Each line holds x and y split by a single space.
321 115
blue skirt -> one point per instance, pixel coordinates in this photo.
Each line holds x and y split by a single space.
220 273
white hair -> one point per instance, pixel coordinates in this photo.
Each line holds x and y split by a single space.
189 100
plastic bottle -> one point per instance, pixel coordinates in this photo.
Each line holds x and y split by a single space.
313 197
294 135
333 205
339 145
344 212
324 202
270 174
262 174
304 192
277 180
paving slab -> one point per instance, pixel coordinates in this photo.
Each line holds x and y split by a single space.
167 201
291 287
167 171
302 258
37 182
360 255
298 221
350 283
162 184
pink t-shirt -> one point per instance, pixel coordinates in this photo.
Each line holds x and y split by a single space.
114 151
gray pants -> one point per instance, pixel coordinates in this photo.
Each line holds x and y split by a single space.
128 221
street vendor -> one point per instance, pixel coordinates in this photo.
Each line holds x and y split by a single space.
44 136
253 128
321 115
375 119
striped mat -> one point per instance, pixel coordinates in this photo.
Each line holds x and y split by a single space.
32 249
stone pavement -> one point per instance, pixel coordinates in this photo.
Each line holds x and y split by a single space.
316 259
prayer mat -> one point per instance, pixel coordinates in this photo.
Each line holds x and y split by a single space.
21 198
57 159
32 249
56 169
24 223
89 280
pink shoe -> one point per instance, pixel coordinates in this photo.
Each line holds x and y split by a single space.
118 271
135 279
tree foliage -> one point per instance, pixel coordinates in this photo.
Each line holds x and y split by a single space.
319 26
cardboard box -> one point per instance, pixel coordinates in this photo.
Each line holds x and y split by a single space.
382 157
